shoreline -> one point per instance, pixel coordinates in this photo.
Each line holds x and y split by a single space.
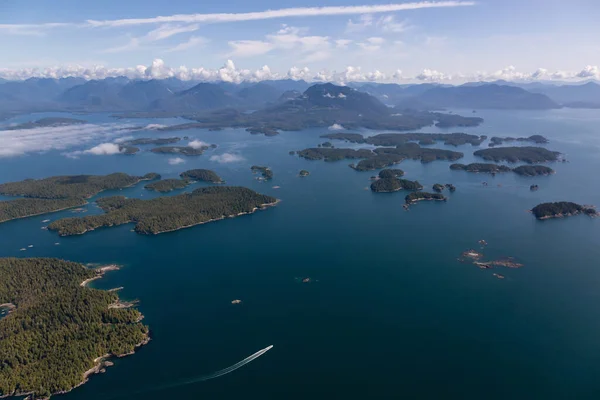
262 207
100 271
42 213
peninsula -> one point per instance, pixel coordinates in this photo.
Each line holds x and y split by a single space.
527 154
523 170
60 355
165 214
395 139
562 209
41 196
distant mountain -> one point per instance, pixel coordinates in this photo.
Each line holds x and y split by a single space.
38 89
588 92
259 94
289 95
97 95
485 96
203 96
284 85
342 97
139 94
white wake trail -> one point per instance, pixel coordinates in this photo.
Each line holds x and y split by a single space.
214 375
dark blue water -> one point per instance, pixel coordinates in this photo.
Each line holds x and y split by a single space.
390 312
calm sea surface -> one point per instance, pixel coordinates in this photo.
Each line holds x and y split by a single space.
390 312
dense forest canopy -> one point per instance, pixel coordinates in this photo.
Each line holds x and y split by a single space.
58 327
533 170
20 208
167 185
391 173
266 172
202 175
528 154
481 167
395 139
76 186
165 214
418 196
561 209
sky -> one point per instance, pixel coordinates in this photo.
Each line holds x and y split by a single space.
343 40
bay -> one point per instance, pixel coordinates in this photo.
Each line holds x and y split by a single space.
389 311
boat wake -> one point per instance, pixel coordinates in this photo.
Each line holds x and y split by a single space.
214 375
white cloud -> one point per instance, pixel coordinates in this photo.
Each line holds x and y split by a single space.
281 13
198 144
104 149
363 22
590 71
167 30
249 48
336 127
297 74
176 161
226 158
133 44
342 43
389 24
22 141
372 43
431 75
192 42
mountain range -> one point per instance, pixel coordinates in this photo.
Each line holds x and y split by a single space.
183 97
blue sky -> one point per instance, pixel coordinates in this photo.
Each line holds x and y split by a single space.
486 39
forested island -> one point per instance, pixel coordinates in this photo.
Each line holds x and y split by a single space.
380 157
387 185
533 170
168 185
438 187
262 130
50 122
165 214
128 150
201 175
395 139
391 173
562 209
420 196
154 141
266 172
59 192
187 178
60 331
481 168
523 170
334 154
183 150
537 139
528 154
303 173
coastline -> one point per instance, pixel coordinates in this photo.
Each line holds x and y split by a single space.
262 207
42 213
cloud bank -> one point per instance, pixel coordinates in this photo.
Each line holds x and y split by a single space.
226 158
229 72
198 144
23 141
104 149
176 161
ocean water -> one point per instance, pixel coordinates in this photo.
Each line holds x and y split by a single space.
389 313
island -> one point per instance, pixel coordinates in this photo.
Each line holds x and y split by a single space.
438 187
41 196
170 213
263 130
420 196
201 175
348 137
534 187
388 185
60 331
303 173
377 162
527 154
537 139
391 173
562 209
128 150
154 141
533 170
326 144
395 139
481 168
266 172
183 150
450 187
415 152
334 154
51 122
168 185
